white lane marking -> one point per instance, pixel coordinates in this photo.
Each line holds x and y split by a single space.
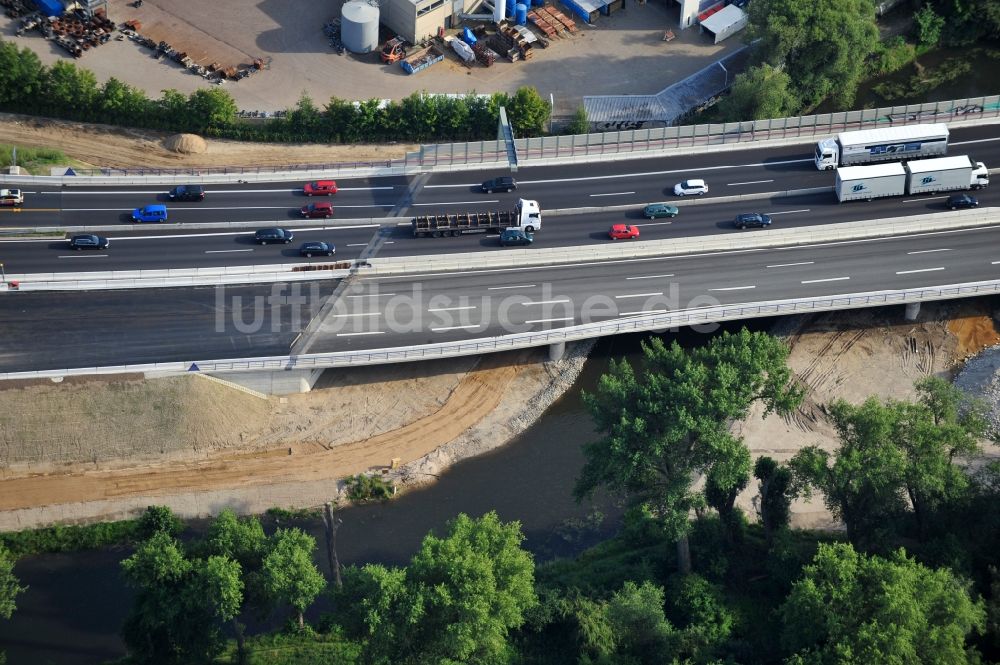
614 194
976 141
734 288
545 302
296 229
910 272
929 251
829 279
787 212
220 191
456 203
993 263
749 182
358 244
654 224
449 309
226 251
477 325
636 175
836 243
373 332
288 207
345 316
389 242
645 311
373 295
568 318
84 256
786 265
926 198
650 276
517 286
641 295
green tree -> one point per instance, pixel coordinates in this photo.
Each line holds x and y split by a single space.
528 112
22 78
210 108
728 475
70 91
288 572
180 603
10 587
777 492
157 519
664 428
760 92
850 608
121 104
928 25
822 44
641 632
703 620
580 124
455 603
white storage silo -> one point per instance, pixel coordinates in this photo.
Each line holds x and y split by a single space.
359 27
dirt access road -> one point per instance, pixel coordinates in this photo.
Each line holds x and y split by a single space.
105 145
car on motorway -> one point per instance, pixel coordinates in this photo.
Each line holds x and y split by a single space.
320 210
187 193
515 236
752 220
695 186
654 210
88 241
265 236
320 188
151 213
11 197
956 201
623 232
317 248
505 183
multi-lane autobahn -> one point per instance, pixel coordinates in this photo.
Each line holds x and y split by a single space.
55 330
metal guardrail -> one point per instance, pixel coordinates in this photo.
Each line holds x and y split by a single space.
648 323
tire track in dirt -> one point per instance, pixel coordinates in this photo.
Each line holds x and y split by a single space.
476 395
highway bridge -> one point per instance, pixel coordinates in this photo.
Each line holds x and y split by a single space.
374 314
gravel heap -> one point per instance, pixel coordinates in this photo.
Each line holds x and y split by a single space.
980 378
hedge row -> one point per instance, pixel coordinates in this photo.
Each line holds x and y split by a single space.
72 93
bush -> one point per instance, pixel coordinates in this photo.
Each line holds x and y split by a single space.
362 488
69 538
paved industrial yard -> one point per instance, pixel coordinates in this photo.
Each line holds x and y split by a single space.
622 53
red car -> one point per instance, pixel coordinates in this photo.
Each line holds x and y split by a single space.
322 209
320 188
623 232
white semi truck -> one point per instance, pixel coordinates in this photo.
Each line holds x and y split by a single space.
923 176
881 145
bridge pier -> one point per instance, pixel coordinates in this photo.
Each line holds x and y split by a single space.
556 351
277 382
912 311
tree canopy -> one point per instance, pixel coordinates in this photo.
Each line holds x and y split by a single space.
851 608
669 422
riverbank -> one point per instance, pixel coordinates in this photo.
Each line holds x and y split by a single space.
198 446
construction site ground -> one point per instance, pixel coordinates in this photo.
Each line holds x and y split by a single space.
621 54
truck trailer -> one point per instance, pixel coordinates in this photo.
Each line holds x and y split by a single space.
526 216
945 174
881 145
870 182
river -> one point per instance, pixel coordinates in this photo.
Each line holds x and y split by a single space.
77 602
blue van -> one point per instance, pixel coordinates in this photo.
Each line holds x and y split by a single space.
151 213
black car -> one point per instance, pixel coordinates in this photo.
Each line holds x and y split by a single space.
264 236
88 241
505 183
956 201
752 220
310 249
187 193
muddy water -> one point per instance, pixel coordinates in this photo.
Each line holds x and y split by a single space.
76 603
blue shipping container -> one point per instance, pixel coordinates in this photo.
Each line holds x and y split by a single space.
50 7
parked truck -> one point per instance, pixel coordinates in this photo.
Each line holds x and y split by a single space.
525 216
881 145
922 176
